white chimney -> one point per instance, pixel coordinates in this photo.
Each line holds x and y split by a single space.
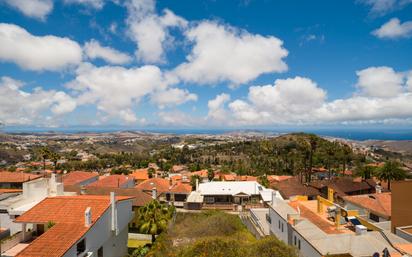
88 217
378 189
114 213
82 190
154 193
197 185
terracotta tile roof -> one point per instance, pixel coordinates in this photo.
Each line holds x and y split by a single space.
111 181
292 187
200 173
76 177
140 174
346 185
275 178
162 185
140 198
16 177
181 188
68 214
246 178
229 177
325 225
380 204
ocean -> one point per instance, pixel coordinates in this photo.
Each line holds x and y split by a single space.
347 133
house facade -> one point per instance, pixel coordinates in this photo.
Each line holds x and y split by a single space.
78 226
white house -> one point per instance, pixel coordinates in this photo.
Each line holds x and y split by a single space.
33 192
299 224
229 193
75 226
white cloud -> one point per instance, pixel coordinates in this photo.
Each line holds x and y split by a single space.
179 119
383 7
394 29
116 90
172 96
223 53
288 99
217 111
23 107
96 4
38 9
94 50
381 82
151 31
37 52
385 97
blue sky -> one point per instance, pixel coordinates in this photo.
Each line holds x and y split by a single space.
217 64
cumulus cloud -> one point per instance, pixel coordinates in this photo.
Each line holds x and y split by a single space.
94 50
20 107
394 29
37 52
37 9
217 111
151 31
96 4
172 96
381 82
117 91
224 53
114 89
384 96
285 100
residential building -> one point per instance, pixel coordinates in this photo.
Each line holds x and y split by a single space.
15 179
33 192
140 175
78 226
140 198
316 231
376 207
119 181
81 178
230 195
166 191
292 187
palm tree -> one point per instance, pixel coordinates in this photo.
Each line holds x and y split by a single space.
154 217
364 171
391 171
54 157
44 153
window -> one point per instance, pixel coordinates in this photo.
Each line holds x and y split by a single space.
268 219
374 217
299 244
100 252
279 224
294 240
81 246
282 226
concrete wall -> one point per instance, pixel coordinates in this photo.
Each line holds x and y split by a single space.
305 249
275 229
404 234
363 211
7 222
88 181
100 235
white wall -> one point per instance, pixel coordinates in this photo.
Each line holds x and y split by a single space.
101 235
306 249
275 218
